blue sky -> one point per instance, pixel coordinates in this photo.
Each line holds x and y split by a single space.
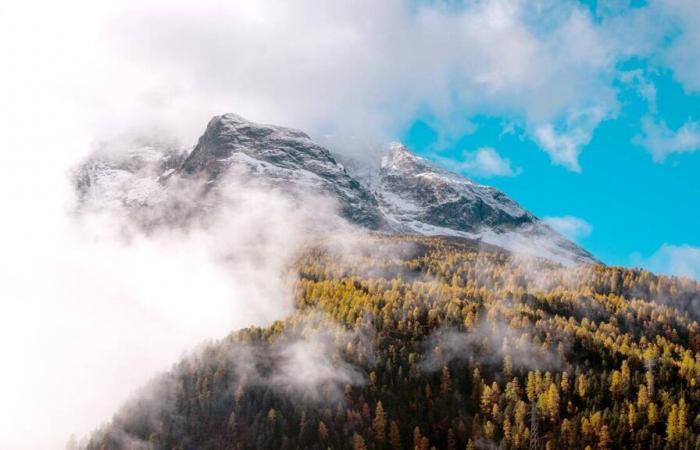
633 198
633 203
585 112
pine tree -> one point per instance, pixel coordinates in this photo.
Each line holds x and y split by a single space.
682 416
507 367
358 442
451 441
672 434
445 381
604 441
379 423
581 386
553 402
417 436
564 382
534 427
394 435
322 431
642 397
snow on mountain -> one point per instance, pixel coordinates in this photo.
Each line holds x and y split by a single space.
283 157
419 197
129 176
405 194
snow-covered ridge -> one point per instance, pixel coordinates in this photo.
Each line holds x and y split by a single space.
404 194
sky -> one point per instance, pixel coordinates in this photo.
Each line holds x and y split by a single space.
624 203
625 185
586 113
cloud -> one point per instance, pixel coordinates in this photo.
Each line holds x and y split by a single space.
333 67
682 260
565 142
683 53
310 359
572 227
311 366
96 306
483 162
306 360
90 316
645 88
661 141
487 342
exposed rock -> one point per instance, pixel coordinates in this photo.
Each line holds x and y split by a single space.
407 194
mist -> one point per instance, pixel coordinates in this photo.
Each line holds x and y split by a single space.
487 342
97 306
93 306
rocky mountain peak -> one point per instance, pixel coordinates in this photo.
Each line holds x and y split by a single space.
229 134
281 157
405 194
400 161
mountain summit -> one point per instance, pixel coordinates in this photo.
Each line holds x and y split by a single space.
405 194
281 156
418 197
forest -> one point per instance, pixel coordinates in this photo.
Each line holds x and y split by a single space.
435 343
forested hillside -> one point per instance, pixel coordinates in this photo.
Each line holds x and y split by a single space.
427 343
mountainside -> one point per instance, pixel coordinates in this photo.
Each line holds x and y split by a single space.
418 197
423 333
283 157
407 195
423 343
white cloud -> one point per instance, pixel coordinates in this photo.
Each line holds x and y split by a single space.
564 144
86 321
661 141
645 88
683 55
563 148
484 162
572 227
336 67
682 260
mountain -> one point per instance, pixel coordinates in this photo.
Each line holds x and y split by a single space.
406 194
439 346
418 335
283 157
418 197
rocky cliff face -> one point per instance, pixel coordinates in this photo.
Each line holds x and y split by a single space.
406 195
414 190
418 197
283 157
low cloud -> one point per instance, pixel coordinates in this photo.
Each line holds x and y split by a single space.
571 227
91 314
107 295
487 342
311 366
680 260
307 360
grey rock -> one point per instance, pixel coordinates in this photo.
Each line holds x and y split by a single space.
283 157
405 194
